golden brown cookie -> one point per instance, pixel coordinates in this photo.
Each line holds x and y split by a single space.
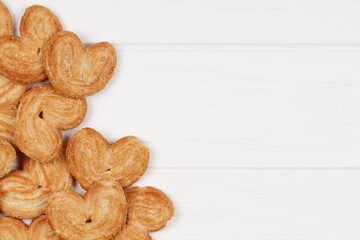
149 210
75 72
7 157
12 229
99 215
41 115
21 58
40 229
7 121
10 93
135 231
149 206
91 158
15 229
24 193
6 27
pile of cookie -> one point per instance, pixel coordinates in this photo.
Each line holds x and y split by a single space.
31 121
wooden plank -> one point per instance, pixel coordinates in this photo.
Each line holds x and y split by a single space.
206 21
235 108
257 205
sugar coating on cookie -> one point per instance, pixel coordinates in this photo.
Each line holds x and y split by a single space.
75 72
24 193
21 58
41 115
98 215
91 158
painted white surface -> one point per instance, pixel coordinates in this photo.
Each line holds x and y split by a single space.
204 21
251 109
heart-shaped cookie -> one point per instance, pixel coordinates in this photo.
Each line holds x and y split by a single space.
149 210
97 216
40 229
91 158
15 229
6 27
75 72
24 193
7 157
12 229
41 115
21 58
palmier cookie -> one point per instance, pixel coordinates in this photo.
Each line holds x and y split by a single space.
40 229
12 229
97 216
149 210
41 115
21 58
77 73
91 158
15 229
7 157
24 193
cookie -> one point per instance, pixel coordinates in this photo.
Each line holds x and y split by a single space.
40 229
6 27
12 229
41 115
7 157
149 210
135 231
7 122
21 58
91 158
24 193
75 72
10 93
99 215
15 229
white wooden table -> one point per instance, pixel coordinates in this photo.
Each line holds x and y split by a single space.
251 109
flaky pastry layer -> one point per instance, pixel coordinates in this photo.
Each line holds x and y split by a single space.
97 216
24 193
41 115
75 72
91 158
21 58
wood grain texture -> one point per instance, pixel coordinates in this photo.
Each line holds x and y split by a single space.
204 21
236 108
